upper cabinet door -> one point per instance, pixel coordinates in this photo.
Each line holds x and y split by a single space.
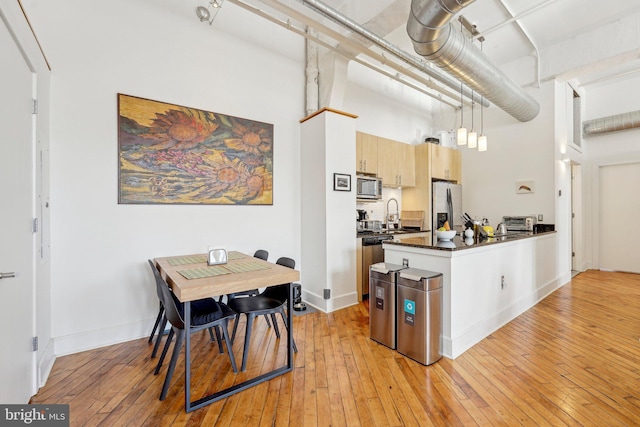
445 163
396 163
366 153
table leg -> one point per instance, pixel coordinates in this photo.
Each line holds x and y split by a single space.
290 328
187 356
192 406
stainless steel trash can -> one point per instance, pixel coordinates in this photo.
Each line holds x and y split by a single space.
382 302
419 314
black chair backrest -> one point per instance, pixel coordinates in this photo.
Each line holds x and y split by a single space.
168 299
280 292
262 254
287 262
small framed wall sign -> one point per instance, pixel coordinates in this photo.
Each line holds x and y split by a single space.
341 182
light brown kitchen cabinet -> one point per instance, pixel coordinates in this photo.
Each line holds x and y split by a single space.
445 163
432 162
396 163
366 153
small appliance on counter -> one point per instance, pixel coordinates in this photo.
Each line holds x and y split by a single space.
520 223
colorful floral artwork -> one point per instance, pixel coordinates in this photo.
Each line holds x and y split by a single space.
170 154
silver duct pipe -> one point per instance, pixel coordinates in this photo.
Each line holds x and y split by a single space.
346 22
610 124
435 39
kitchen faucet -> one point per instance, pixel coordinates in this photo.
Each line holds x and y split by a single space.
392 219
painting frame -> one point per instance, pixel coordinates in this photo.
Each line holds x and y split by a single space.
341 182
173 154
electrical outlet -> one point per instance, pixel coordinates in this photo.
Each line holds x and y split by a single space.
405 262
539 217
502 283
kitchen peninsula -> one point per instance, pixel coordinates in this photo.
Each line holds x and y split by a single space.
486 284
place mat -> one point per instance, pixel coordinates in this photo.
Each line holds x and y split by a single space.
182 260
235 255
199 273
243 267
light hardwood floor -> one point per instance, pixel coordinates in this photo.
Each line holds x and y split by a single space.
573 359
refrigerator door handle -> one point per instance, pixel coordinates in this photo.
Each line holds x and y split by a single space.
450 208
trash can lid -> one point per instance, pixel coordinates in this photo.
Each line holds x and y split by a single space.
417 274
386 267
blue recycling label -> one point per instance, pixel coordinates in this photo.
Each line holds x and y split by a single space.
409 306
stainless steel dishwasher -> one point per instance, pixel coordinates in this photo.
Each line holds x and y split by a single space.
372 253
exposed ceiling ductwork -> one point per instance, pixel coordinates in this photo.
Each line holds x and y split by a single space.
408 58
610 124
435 38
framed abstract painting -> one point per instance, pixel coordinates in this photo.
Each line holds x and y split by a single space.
170 154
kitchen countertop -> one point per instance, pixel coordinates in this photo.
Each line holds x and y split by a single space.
457 243
394 232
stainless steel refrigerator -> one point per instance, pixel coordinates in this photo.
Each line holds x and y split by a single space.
446 205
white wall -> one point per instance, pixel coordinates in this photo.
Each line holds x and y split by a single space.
102 291
601 100
516 151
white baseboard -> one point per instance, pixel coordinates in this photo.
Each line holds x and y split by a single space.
90 340
45 364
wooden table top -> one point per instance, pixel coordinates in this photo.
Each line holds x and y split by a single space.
185 289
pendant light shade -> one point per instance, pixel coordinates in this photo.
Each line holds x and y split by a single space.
473 139
482 143
461 136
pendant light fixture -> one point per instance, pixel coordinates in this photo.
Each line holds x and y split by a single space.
461 136
482 140
473 135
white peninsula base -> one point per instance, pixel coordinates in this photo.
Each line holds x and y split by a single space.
484 286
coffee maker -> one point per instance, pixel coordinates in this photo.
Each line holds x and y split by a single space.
361 218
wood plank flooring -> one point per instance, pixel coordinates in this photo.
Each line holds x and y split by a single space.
573 359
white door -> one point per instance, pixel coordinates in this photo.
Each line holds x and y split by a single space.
619 206
17 358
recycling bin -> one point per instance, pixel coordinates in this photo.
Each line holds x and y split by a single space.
419 306
382 302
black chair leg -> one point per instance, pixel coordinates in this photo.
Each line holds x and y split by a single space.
286 325
247 338
227 340
266 317
172 364
235 328
155 325
275 324
159 338
164 352
219 339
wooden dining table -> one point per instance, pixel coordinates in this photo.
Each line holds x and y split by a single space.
191 278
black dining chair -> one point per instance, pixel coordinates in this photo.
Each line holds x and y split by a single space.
271 301
205 314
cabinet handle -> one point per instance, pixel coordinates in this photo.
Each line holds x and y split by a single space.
400 179
360 164
365 165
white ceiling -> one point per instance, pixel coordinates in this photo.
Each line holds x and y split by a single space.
548 25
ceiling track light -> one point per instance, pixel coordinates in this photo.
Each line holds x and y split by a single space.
205 14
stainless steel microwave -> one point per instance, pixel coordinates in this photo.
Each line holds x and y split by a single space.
369 187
